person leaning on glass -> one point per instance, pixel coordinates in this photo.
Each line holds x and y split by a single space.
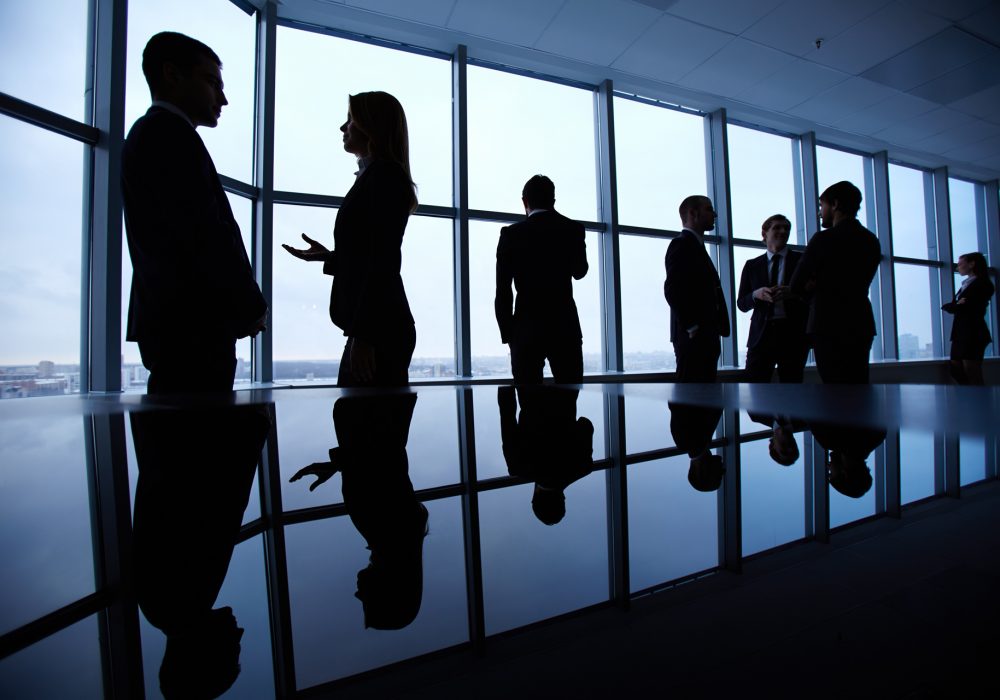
367 300
969 333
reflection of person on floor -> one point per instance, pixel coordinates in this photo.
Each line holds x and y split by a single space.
546 443
847 453
782 447
372 433
196 469
692 428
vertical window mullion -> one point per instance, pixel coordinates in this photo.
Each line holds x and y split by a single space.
460 193
263 219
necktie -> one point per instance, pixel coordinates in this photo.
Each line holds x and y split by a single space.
775 265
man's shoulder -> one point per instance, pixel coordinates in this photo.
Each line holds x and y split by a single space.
161 128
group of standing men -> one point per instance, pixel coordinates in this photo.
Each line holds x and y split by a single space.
817 298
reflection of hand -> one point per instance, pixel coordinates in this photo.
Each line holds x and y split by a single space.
362 360
316 252
321 470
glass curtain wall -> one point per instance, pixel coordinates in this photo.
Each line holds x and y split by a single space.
660 158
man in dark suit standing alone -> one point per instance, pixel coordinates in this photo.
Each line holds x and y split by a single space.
778 324
835 273
698 312
541 255
193 291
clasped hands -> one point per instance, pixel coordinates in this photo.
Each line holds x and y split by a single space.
772 294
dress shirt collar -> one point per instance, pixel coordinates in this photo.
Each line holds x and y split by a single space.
171 107
363 163
536 211
780 254
700 237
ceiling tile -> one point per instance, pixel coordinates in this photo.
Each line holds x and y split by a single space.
596 31
433 12
962 82
940 54
977 151
877 38
795 25
953 10
984 104
739 64
969 134
899 107
925 125
985 23
728 15
842 100
792 85
519 22
670 49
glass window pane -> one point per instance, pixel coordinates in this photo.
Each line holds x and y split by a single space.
773 498
913 311
519 127
833 166
428 273
964 218
46 545
314 75
660 159
916 464
232 34
972 458
762 181
53 77
306 345
673 529
40 234
645 314
907 205
533 571
66 664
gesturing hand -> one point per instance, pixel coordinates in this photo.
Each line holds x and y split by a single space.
764 294
315 252
321 470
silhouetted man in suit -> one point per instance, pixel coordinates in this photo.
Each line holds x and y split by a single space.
698 312
193 291
541 255
692 428
778 324
835 273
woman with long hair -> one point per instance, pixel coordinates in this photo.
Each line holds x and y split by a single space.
367 300
969 333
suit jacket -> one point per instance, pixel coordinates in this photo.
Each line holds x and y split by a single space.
835 274
756 275
541 255
693 290
969 326
190 272
367 299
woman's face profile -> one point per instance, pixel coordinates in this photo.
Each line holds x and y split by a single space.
355 140
963 266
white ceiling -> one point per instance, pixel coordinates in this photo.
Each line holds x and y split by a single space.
919 78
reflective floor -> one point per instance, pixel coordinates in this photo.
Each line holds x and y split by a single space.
293 539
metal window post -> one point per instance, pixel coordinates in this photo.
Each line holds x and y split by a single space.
886 270
946 277
460 194
991 191
263 219
808 203
101 337
607 194
717 158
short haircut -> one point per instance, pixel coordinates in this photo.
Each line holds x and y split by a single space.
539 192
172 47
978 262
689 204
769 221
846 196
